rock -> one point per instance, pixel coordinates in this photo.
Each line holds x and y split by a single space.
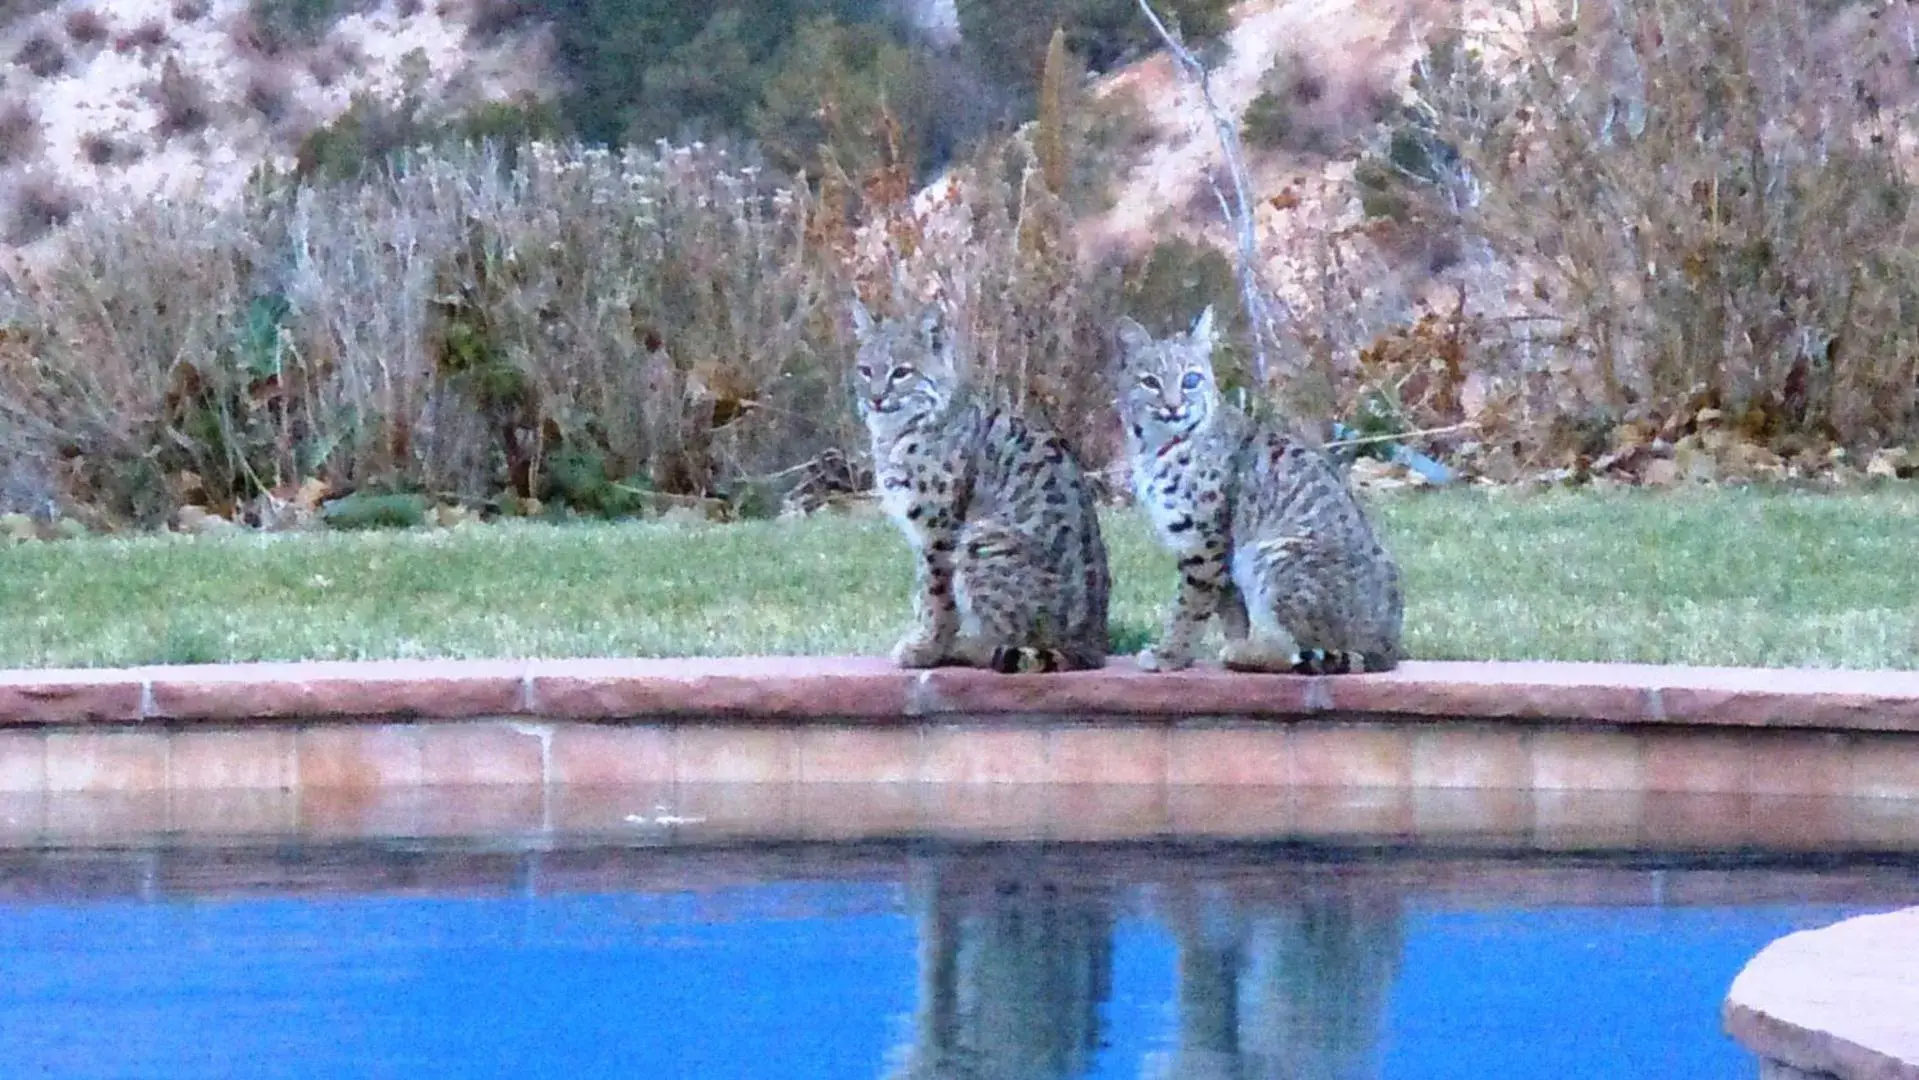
1660 472
450 515
686 515
312 493
1837 1001
1500 465
18 528
1894 463
1376 475
1751 461
1626 460
199 521
1694 460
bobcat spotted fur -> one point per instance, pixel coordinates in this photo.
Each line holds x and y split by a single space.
1266 532
1011 570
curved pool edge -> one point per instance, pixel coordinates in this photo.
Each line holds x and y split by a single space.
1841 1001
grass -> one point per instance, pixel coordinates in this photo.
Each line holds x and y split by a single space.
1723 577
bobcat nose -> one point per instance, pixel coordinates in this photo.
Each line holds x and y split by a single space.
876 401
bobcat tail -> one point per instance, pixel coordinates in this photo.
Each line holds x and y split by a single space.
1028 659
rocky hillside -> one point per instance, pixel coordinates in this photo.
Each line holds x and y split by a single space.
183 98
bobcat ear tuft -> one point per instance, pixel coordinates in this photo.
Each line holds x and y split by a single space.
862 319
1202 331
1203 337
1133 337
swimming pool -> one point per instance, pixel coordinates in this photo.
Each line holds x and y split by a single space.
920 956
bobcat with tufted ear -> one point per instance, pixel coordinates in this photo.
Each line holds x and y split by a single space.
1267 534
1011 570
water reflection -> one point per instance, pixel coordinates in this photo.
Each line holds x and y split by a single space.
1016 967
1013 971
1281 989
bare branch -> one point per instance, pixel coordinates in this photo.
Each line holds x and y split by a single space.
1258 302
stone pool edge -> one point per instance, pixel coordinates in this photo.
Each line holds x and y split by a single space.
780 720
772 689
1840 1001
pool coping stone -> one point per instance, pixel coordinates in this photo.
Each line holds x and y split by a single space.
1840 1001
779 689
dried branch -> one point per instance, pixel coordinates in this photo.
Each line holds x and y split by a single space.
1258 301
1402 436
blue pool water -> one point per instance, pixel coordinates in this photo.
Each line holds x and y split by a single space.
1000 971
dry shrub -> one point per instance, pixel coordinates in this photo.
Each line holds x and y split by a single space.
149 35
85 26
992 244
268 89
330 62
20 134
41 54
189 11
1705 201
182 100
38 203
657 319
131 366
101 149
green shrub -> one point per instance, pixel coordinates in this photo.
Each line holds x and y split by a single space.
375 133
375 510
834 89
1166 287
278 25
1008 38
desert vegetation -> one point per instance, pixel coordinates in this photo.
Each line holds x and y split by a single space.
1656 244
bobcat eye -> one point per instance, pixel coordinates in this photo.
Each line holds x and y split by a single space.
1191 381
1150 382
904 371
865 372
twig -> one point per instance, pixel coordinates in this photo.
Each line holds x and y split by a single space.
1362 440
1240 214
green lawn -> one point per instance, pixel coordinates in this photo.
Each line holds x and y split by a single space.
1732 576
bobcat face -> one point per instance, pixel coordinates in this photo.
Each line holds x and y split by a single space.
902 371
1168 390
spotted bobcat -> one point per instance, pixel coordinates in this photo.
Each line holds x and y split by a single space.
1266 531
1011 567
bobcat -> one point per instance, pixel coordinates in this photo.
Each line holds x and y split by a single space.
1266 531
1011 567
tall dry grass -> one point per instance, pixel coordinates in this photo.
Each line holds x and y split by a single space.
655 319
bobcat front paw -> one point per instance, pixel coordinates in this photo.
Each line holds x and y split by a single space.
1153 659
917 650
